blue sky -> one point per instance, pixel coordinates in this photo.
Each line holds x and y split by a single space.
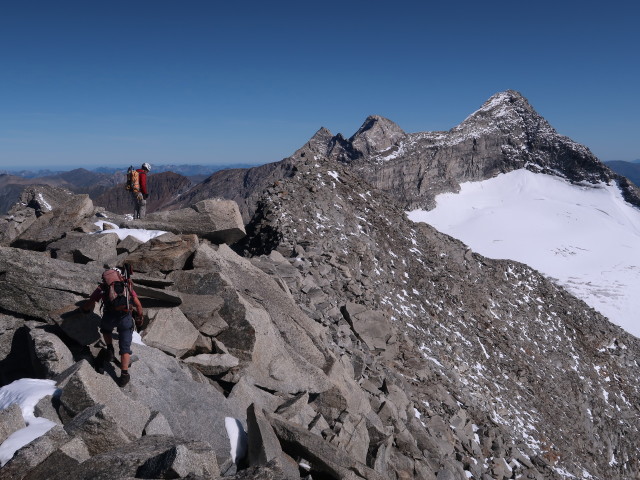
86 83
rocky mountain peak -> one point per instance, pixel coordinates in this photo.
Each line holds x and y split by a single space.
376 135
505 111
318 144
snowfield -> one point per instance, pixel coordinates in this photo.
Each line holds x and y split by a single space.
584 237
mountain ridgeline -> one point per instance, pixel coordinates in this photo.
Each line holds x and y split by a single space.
349 342
505 134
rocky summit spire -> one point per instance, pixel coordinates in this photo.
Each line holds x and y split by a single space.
376 135
318 145
505 111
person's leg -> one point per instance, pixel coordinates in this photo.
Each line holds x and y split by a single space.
125 337
136 205
142 209
106 327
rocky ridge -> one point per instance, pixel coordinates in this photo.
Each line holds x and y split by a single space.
504 134
477 345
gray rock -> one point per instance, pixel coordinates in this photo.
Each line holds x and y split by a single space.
34 453
53 224
372 327
297 410
56 466
152 456
84 248
164 253
82 327
213 364
164 296
193 459
128 244
170 331
40 287
215 220
85 388
192 406
50 355
353 437
245 393
45 409
34 201
76 449
158 425
323 456
204 344
264 446
266 324
11 421
98 429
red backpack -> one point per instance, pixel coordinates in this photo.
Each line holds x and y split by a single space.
117 292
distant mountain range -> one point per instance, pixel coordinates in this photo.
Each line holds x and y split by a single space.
104 184
185 170
631 170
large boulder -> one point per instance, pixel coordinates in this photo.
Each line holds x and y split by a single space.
164 253
213 363
84 388
49 354
39 287
373 327
215 220
84 248
11 420
264 446
34 453
33 202
279 347
98 429
203 311
170 331
193 408
53 224
324 457
153 456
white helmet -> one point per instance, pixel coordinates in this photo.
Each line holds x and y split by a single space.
146 166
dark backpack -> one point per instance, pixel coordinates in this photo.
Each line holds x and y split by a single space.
116 290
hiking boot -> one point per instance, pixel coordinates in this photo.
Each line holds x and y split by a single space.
110 356
124 379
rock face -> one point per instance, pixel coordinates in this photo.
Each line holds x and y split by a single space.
461 384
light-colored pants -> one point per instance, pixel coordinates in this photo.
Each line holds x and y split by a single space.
139 206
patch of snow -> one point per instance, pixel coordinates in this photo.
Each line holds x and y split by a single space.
44 202
237 438
138 233
26 392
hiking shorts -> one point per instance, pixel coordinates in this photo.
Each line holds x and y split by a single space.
124 325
